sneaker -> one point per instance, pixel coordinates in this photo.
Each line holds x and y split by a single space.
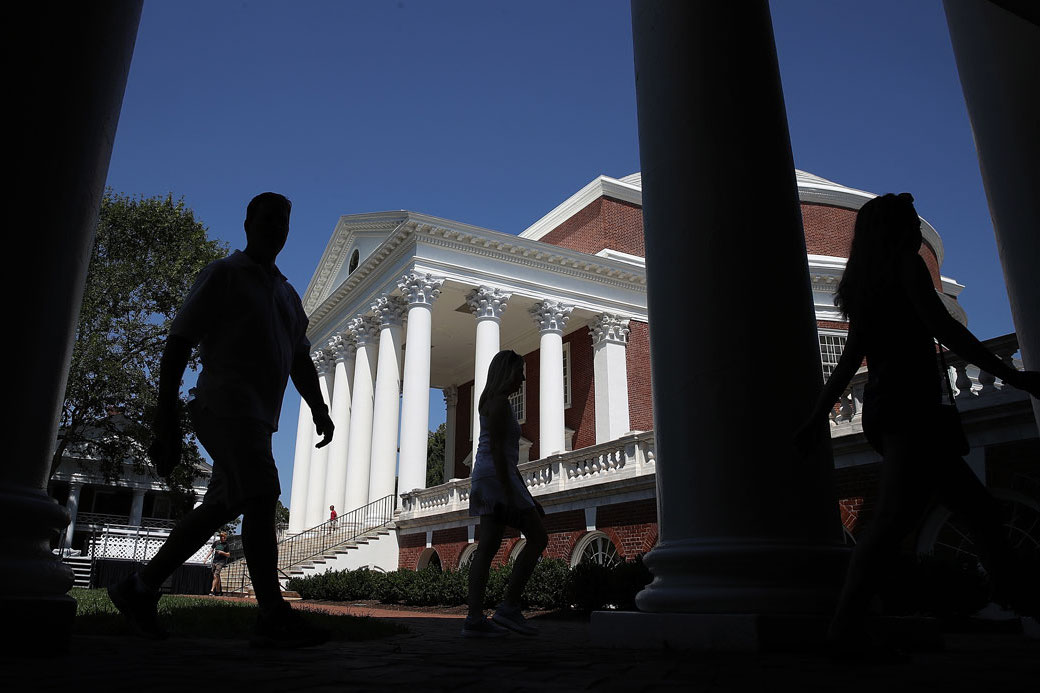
286 628
511 618
139 605
484 628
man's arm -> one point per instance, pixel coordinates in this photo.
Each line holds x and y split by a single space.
165 451
305 380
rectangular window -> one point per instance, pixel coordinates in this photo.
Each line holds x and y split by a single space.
518 400
831 346
566 375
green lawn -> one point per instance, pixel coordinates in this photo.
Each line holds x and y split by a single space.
212 618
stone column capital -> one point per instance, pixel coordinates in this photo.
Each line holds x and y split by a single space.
390 310
609 328
551 316
322 362
451 396
365 330
342 346
487 303
420 288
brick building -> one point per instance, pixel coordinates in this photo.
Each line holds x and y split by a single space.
569 295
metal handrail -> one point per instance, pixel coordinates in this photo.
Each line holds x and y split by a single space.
319 540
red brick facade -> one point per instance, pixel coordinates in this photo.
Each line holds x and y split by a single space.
604 223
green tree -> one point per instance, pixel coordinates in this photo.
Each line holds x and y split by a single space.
281 514
147 252
435 456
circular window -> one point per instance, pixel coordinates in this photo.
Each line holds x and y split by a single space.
596 547
355 258
467 555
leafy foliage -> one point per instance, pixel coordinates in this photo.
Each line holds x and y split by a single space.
146 254
435 456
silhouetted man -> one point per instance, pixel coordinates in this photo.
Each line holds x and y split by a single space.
251 330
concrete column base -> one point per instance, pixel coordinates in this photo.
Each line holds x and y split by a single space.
745 632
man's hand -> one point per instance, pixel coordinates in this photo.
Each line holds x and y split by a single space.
165 450
324 426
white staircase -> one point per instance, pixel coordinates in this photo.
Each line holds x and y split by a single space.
365 537
80 569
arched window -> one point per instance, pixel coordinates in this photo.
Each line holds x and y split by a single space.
517 548
596 547
355 258
429 559
467 555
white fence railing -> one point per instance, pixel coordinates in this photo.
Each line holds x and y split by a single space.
134 543
627 457
102 519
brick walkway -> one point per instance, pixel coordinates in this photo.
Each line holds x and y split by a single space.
432 657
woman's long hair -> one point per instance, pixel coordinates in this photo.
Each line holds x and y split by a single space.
500 373
886 227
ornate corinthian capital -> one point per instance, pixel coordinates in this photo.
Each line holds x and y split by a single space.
608 327
420 288
389 310
451 395
342 346
551 316
487 302
322 361
364 328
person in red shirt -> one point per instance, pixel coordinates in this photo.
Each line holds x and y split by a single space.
332 517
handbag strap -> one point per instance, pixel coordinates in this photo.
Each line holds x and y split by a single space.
946 373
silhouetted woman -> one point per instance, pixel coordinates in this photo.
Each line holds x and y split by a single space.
499 496
895 315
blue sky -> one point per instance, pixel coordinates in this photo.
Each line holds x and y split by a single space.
492 113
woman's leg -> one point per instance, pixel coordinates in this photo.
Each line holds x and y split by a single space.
490 539
537 540
216 579
902 497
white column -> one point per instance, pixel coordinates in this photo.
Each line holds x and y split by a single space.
420 291
551 317
359 440
451 399
72 505
487 304
342 349
315 514
301 469
387 407
137 507
610 370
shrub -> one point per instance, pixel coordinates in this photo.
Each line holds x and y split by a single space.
392 587
547 587
627 579
454 587
422 587
588 587
498 579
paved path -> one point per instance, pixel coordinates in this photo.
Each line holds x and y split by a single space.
432 657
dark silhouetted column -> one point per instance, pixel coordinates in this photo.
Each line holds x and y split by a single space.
997 46
74 62
747 528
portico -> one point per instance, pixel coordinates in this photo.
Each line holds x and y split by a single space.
426 303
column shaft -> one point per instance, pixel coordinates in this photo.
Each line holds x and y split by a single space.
745 524
301 469
386 415
451 399
487 304
336 470
315 513
551 317
610 372
359 442
72 505
137 507
415 398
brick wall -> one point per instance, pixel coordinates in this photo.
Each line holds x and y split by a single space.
856 488
640 396
410 546
463 423
581 415
632 526
603 223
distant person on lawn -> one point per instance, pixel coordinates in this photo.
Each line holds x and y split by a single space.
221 554
250 327
499 496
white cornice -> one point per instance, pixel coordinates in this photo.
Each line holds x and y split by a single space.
321 299
811 189
603 186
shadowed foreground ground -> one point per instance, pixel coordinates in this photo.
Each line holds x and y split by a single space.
433 657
